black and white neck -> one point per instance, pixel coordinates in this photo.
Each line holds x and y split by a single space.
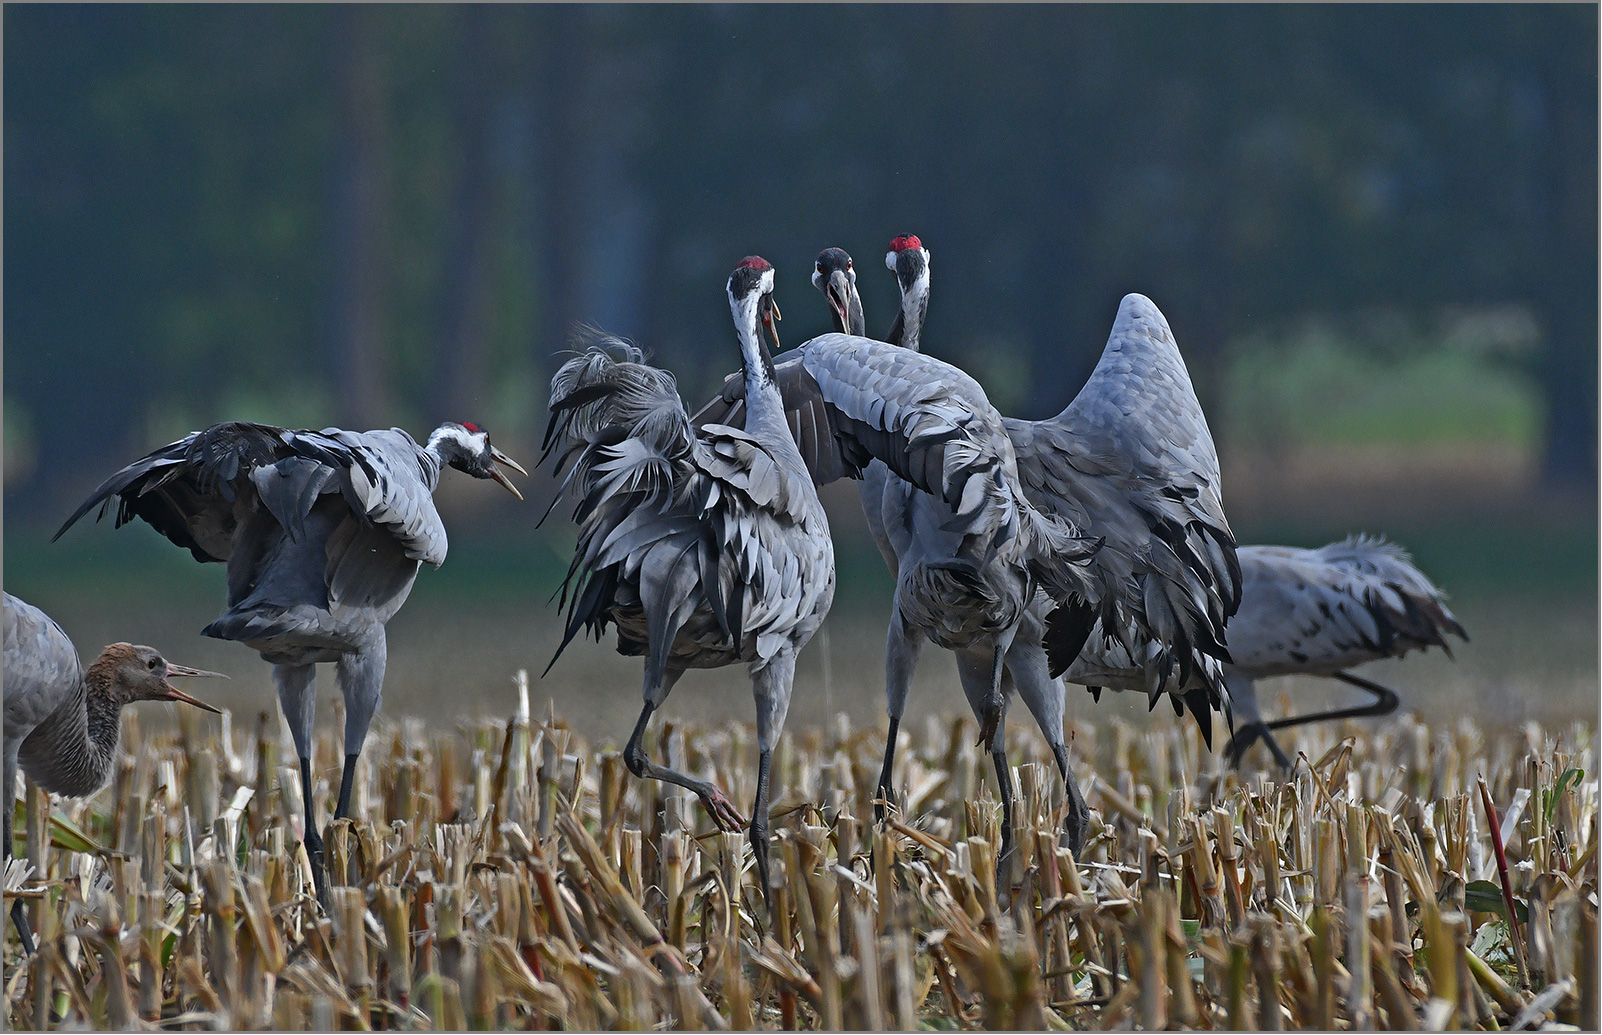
453 444
909 261
751 304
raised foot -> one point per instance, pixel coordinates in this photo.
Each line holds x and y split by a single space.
723 812
989 721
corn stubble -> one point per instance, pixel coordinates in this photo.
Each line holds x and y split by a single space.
513 876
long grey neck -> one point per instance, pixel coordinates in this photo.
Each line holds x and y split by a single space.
72 752
763 404
431 459
909 322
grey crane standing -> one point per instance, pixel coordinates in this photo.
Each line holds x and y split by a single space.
62 721
1311 612
1130 463
323 533
706 544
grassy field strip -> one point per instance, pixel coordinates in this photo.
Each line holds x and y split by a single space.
511 876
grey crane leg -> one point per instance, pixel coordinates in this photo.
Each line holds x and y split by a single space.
361 680
994 706
19 916
297 695
717 804
1243 705
901 647
1027 665
772 684
976 667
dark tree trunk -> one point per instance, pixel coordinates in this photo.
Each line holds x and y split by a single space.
360 222
1567 367
460 370
563 152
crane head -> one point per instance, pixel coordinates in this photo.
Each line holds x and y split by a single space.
835 277
467 447
751 286
908 259
133 673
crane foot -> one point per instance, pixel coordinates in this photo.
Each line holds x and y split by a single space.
722 810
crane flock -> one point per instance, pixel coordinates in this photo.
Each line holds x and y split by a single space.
1089 548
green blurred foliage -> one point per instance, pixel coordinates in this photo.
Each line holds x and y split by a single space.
394 215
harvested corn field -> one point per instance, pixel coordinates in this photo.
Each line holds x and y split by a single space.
514 876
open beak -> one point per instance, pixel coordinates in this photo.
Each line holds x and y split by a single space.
771 321
175 694
838 293
501 458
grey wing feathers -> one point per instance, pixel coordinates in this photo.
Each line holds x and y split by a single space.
41 667
1319 611
804 411
674 522
195 491
1132 461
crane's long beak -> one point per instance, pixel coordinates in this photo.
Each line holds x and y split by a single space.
175 694
838 292
501 458
772 322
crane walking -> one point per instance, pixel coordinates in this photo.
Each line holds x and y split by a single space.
323 533
62 721
1311 612
706 545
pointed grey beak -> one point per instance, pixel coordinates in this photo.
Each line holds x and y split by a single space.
501 458
175 694
495 472
838 292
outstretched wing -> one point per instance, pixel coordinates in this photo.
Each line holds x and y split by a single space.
1320 611
1131 461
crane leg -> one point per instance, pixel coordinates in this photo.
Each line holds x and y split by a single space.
314 840
361 680
19 916
297 696
1028 668
981 684
771 685
1385 702
901 646
717 804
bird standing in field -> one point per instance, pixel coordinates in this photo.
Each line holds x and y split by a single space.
1311 612
706 544
63 722
1130 463
323 533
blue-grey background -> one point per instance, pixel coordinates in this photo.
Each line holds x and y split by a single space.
1373 229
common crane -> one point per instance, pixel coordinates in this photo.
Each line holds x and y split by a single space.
1311 612
1129 462
706 545
62 721
323 533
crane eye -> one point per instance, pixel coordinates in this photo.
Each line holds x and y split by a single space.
848 264
153 664
820 267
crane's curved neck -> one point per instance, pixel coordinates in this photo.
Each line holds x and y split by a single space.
72 752
762 400
914 306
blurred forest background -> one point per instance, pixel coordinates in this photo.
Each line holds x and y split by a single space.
1373 229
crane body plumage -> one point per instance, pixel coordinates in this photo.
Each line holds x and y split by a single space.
322 534
1129 464
1309 612
835 405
